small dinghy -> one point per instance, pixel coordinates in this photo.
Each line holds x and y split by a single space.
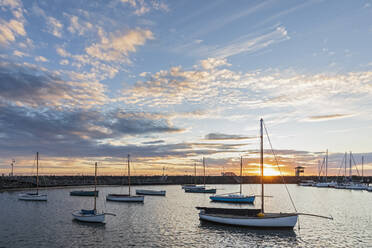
84 193
251 217
91 216
235 198
34 196
150 192
126 197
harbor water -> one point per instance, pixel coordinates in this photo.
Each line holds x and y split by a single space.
172 221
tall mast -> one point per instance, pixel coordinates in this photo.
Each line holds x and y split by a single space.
95 187
128 174
37 172
362 168
241 170
350 172
163 171
345 164
326 177
195 173
204 171
262 167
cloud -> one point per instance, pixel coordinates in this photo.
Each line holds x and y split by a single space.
10 30
327 117
20 54
117 47
221 136
153 142
41 59
247 44
142 7
55 130
78 26
30 86
54 26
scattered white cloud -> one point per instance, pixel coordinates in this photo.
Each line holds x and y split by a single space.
20 54
142 7
41 59
64 62
77 25
116 47
54 26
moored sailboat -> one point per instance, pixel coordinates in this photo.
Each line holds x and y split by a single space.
251 217
126 197
91 215
200 189
235 198
34 196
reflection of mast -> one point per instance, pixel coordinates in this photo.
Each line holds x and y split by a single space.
37 173
204 171
95 187
128 175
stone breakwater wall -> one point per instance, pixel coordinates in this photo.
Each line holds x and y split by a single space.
9 182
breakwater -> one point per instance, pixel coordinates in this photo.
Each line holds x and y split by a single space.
14 182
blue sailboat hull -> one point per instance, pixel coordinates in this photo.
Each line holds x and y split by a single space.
221 198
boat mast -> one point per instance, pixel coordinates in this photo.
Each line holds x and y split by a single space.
262 167
195 173
95 187
128 174
362 168
204 170
241 169
350 172
37 172
345 164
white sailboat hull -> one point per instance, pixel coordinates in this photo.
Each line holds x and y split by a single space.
285 221
32 197
125 198
356 187
150 192
93 218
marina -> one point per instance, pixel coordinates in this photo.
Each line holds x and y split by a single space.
173 220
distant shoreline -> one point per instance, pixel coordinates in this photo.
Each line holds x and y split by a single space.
8 183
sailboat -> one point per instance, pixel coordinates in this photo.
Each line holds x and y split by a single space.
235 198
191 185
326 184
200 189
85 215
34 196
151 191
251 217
125 197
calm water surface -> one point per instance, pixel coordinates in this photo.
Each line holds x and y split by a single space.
172 221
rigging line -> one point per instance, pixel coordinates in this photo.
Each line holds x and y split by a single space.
342 165
277 164
356 167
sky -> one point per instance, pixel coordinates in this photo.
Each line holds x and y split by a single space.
171 82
